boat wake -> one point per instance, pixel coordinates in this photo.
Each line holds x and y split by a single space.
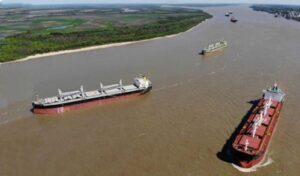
174 85
166 86
264 163
160 88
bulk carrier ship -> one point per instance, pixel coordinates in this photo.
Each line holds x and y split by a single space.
252 141
214 47
67 101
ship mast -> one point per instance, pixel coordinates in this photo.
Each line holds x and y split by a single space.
101 87
246 144
275 86
256 124
254 130
268 105
121 83
261 118
82 91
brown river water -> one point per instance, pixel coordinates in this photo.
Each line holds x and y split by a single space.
179 127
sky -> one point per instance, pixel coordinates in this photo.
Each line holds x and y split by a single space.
149 1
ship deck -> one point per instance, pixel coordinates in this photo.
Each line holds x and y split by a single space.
252 142
76 96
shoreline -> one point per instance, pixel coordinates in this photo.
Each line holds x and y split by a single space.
91 48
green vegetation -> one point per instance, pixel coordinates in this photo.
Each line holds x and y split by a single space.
76 28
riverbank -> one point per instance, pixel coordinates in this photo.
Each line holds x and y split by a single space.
61 32
37 56
286 11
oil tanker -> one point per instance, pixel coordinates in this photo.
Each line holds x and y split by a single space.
67 101
253 139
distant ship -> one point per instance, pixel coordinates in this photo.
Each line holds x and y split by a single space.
214 47
233 19
252 141
67 101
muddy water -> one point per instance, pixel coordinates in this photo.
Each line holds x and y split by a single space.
179 127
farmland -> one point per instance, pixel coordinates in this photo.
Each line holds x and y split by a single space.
29 30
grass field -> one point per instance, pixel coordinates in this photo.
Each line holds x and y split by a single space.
29 31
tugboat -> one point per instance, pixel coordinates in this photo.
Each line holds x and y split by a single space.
214 47
233 19
252 141
67 101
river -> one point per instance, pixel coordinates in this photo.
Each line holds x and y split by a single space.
178 128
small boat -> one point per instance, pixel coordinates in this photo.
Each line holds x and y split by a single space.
253 139
230 12
227 14
233 19
214 47
67 101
